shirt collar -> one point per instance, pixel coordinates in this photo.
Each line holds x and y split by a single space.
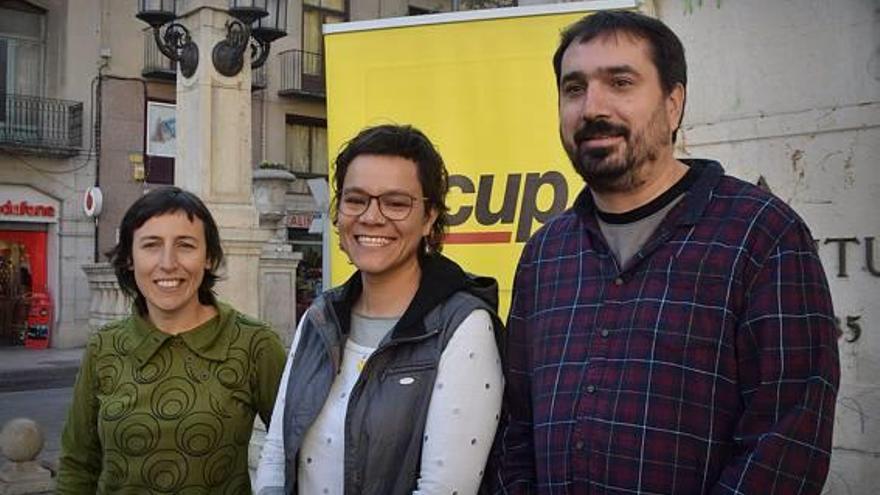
691 207
697 198
208 340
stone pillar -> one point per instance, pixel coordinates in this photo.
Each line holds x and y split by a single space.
278 262
278 289
214 154
107 301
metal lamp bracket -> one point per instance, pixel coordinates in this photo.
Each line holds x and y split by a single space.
228 53
259 53
177 44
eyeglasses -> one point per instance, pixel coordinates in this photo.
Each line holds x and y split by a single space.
392 205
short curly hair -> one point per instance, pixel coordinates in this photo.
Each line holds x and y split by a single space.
404 141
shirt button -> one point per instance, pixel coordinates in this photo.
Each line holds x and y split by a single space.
604 332
591 389
579 445
618 281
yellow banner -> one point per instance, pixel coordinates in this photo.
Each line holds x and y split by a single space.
483 91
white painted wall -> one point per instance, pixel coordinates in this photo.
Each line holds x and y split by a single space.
790 89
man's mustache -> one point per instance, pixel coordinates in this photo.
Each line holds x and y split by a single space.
594 128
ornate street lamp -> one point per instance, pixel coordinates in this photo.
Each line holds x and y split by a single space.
268 29
175 42
274 25
256 25
263 20
247 11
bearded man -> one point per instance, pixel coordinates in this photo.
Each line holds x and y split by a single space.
673 331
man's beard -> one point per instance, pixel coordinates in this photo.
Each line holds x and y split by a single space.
609 169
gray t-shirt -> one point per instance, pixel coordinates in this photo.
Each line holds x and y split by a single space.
627 232
367 331
625 239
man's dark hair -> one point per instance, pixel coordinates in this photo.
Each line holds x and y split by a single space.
667 52
166 200
402 141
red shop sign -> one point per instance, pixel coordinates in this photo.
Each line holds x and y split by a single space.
300 220
24 209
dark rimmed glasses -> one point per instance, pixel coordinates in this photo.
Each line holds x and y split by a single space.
392 205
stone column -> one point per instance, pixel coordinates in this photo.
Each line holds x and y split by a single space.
108 302
278 262
278 289
214 154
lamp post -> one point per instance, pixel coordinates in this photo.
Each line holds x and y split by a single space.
213 123
175 41
271 27
255 24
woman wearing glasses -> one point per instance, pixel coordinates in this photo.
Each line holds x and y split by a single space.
393 383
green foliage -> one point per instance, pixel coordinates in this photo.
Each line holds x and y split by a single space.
485 4
273 165
689 5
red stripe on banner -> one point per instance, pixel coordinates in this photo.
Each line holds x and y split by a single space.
477 238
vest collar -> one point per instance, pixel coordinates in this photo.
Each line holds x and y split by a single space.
445 277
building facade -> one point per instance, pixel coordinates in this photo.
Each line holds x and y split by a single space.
49 59
784 92
89 100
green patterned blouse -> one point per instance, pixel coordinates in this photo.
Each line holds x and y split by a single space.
156 413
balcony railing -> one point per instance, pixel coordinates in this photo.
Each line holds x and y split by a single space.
156 65
259 78
40 125
302 74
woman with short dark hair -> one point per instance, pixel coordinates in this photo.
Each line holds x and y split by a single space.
165 399
393 384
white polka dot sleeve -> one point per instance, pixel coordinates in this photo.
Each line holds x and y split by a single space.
270 470
464 410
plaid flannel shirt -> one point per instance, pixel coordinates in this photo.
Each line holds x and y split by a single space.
707 364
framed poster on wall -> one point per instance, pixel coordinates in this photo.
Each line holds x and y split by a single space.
161 142
161 129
